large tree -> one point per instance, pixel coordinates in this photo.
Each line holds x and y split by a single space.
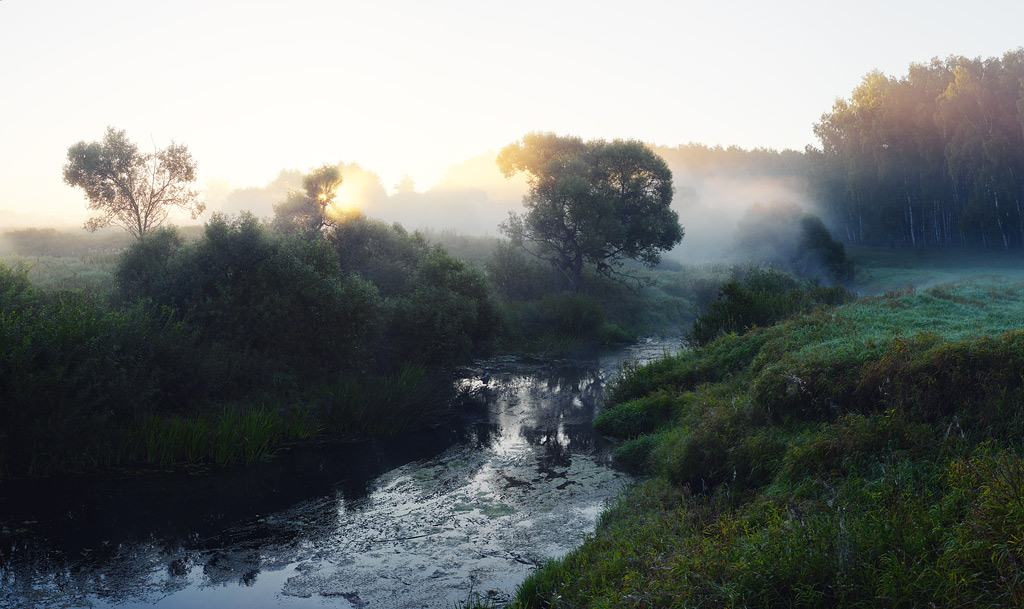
592 203
129 188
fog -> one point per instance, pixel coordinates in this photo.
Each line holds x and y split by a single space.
714 187
710 208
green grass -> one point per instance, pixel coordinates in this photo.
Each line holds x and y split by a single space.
864 456
93 272
886 269
238 435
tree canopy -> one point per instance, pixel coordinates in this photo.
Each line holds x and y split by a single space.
934 158
131 189
593 203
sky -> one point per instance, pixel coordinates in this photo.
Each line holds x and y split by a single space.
406 88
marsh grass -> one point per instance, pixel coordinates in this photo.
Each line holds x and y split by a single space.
390 404
227 436
864 456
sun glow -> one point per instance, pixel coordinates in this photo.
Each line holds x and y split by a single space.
348 200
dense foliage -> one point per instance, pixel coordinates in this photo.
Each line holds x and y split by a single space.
593 203
283 298
933 158
863 456
437 308
761 297
218 349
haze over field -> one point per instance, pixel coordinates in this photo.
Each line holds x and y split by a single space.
414 100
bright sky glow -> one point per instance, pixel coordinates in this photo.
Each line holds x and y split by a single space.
412 88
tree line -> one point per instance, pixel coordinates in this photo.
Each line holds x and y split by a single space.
933 158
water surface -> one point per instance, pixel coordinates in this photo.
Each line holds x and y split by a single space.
424 520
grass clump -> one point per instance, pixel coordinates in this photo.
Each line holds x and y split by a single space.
868 455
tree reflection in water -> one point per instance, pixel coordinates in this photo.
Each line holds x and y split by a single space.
519 476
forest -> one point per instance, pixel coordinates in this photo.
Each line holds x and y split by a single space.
931 159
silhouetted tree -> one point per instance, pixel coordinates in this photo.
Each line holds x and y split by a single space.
131 189
593 202
310 211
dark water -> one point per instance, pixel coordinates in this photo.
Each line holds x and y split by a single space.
423 520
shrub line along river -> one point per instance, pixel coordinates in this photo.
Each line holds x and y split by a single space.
422 520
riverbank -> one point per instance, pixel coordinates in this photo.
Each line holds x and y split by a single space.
867 455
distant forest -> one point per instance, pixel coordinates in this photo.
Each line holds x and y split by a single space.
932 159
935 158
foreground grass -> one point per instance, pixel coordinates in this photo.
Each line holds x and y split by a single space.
865 456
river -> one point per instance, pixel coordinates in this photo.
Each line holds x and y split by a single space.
423 520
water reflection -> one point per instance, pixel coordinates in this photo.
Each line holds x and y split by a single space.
518 477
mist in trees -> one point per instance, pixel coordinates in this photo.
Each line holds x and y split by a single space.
784 236
932 158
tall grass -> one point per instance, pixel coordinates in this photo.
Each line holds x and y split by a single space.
410 398
864 456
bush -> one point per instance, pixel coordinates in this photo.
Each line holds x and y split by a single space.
516 277
16 291
142 269
385 255
783 235
448 315
71 370
638 416
282 297
761 298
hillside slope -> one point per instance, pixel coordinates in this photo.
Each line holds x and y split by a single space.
863 456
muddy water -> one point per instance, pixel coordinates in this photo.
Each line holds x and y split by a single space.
424 520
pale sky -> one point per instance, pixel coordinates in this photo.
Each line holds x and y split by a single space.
404 87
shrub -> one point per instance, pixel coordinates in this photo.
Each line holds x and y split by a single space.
16 291
385 255
142 269
635 454
448 315
516 277
761 298
71 370
283 297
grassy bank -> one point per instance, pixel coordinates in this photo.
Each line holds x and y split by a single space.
863 456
